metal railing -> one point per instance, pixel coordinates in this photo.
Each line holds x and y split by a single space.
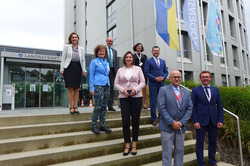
238 128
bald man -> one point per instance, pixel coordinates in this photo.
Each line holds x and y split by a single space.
175 108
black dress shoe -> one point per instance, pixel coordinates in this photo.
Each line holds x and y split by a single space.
111 109
95 130
104 128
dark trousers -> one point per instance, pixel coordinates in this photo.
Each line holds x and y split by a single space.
153 93
212 138
130 107
111 80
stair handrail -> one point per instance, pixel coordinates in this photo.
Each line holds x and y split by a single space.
238 127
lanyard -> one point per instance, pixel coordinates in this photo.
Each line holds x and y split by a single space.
139 57
178 98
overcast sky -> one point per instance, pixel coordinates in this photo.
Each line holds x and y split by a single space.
40 23
32 23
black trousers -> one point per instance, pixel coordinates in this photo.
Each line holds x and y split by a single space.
111 80
130 107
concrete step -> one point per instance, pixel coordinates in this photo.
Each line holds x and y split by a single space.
88 151
56 118
59 127
144 155
188 160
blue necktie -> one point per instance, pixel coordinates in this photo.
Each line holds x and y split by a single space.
110 58
206 91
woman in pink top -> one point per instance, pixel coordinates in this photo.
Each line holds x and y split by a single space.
129 81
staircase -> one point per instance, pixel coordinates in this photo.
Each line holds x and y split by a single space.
64 139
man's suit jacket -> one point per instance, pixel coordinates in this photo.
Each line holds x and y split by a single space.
115 60
169 110
203 110
67 56
152 71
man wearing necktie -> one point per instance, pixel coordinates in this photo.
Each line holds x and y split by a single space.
208 115
175 108
113 64
156 71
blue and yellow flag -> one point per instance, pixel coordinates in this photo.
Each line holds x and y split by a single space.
166 25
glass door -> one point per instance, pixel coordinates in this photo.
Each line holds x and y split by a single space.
61 92
32 76
47 88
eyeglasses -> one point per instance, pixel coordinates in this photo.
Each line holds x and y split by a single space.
176 77
205 77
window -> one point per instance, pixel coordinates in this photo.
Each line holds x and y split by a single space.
224 79
244 61
241 35
188 75
111 14
205 9
186 46
181 8
112 32
209 54
232 26
222 60
237 81
235 56
238 9
223 23
230 5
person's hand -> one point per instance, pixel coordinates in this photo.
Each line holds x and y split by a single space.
179 124
61 72
176 125
220 125
157 79
125 92
133 92
197 125
84 74
92 92
161 78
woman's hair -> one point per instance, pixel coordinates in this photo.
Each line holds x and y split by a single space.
98 48
137 44
124 57
69 39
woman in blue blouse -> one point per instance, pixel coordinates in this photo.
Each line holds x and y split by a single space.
100 87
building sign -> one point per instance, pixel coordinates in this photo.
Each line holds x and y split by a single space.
30 56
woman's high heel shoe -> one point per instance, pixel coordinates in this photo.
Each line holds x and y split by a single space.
124 153
76 110
71 112
134 153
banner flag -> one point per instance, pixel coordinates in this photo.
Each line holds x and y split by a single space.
166 25
213 36
191 21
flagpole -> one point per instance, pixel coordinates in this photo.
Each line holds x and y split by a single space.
200 36
239 41
181 51
204 36
223 44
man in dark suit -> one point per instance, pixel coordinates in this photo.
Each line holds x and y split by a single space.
175 108
208 115
113 64
156 70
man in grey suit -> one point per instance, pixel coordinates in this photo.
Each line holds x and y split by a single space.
175 108
113 64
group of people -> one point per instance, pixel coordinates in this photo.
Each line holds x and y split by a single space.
175 104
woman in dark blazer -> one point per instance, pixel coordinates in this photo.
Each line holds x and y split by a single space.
129 81
140 61
72 68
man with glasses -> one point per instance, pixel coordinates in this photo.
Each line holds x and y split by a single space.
208 115
175 108
113 65
156 70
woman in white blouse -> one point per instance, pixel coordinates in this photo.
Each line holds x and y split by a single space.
129 81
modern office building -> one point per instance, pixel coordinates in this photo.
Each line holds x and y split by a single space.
36 78
132 21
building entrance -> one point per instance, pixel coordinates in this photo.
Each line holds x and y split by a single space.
38 87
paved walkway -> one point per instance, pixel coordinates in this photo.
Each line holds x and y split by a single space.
44 111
